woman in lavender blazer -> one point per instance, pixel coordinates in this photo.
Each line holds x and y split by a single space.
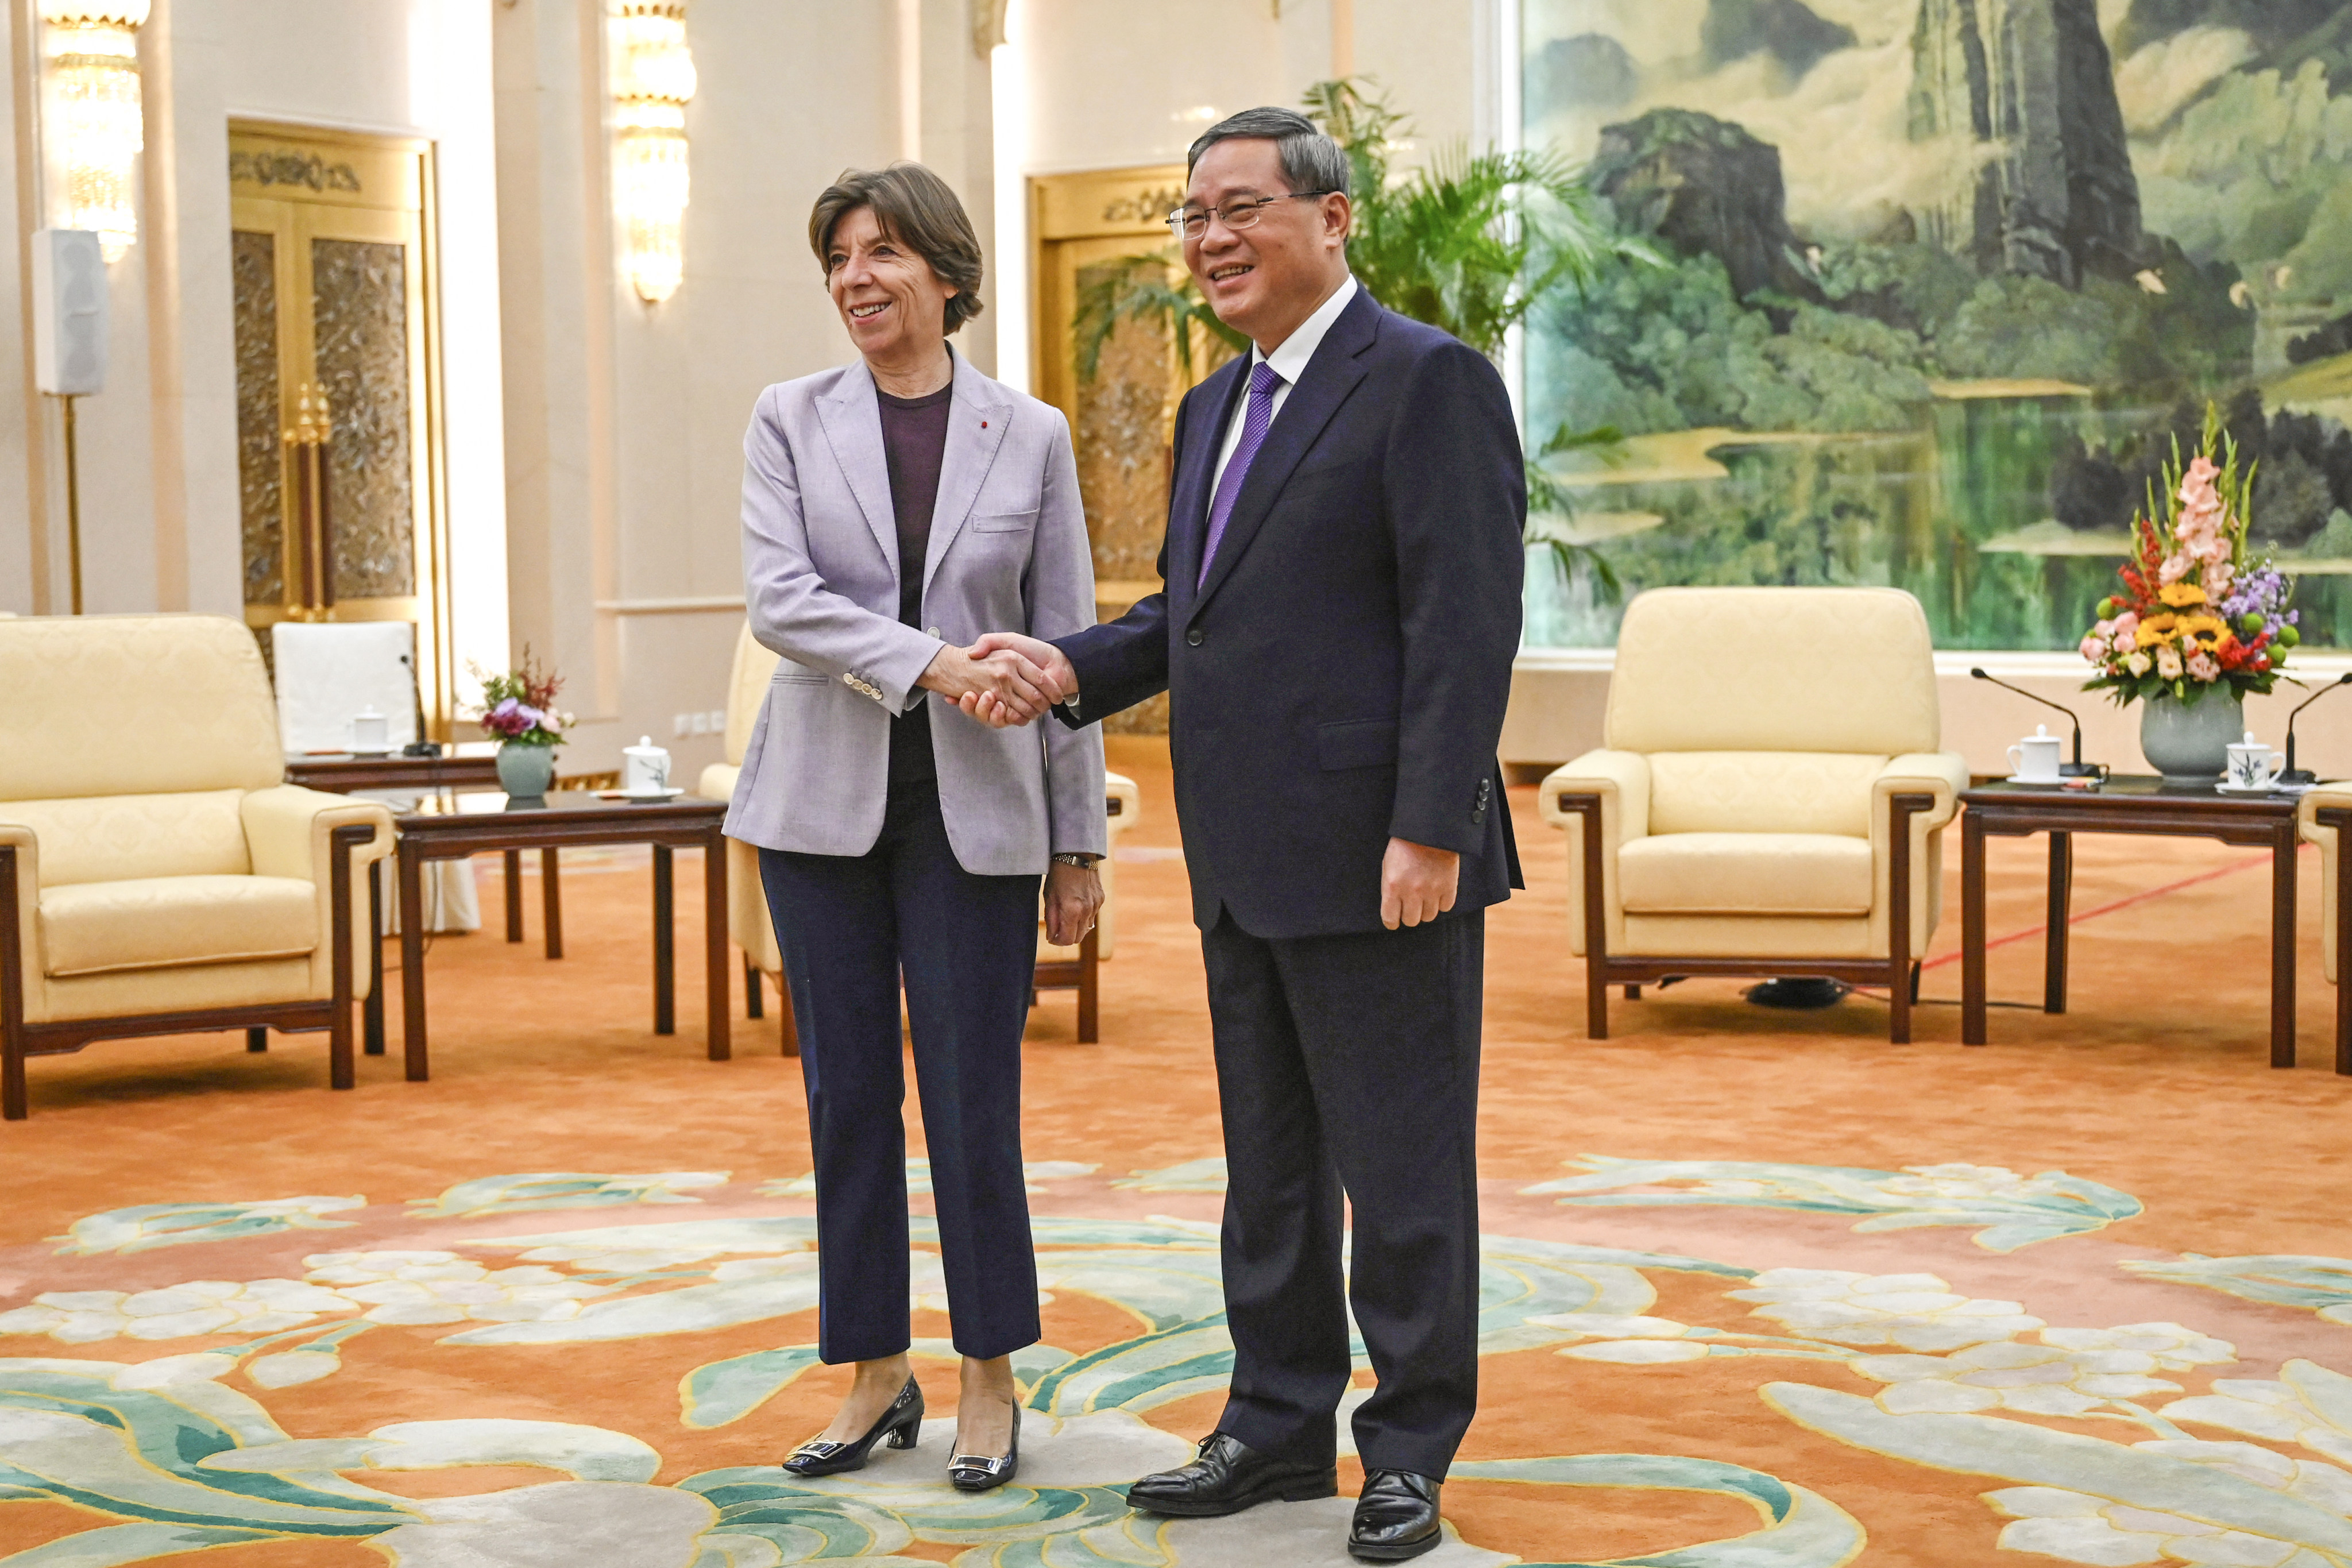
895 511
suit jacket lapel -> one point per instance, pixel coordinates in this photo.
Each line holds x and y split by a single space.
1322 388
853 428
976 420
1188 499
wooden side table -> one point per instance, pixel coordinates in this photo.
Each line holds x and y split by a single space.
439 832
2124 804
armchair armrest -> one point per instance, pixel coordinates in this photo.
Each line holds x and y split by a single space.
2332 798
287 829
1943 775
1622 780
1619 783
20 936
1937 778
717 782
1123 800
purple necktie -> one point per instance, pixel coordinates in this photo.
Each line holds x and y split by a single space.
1263 379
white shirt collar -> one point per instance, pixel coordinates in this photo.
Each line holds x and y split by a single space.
1290 356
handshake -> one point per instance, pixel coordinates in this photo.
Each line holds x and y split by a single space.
1002 680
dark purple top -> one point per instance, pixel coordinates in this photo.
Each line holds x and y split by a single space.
914 441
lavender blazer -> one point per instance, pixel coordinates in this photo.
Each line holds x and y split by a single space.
821 571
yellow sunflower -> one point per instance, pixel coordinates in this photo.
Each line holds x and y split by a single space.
2155 629
2205 631
2181 595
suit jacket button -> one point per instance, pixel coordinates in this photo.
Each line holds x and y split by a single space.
1194 636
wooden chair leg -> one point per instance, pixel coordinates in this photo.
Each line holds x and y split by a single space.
753 1007
342 1071
1089 1015
256 1039
1596 919
13 1106
1902 978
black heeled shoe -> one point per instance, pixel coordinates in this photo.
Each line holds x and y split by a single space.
976 1473
900 1424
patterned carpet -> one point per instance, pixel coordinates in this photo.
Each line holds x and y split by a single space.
1761 1291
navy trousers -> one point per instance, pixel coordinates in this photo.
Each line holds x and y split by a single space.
850 926
1348 1073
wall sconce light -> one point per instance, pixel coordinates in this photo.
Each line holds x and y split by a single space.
652 80
92 52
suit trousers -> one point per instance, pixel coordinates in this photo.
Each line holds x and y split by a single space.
849 927
1348 1073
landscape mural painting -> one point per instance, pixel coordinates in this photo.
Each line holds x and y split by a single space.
1938 282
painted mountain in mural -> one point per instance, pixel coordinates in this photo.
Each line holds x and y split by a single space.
2023 92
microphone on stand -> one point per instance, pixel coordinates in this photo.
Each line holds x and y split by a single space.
2078 768
2295 775
420 746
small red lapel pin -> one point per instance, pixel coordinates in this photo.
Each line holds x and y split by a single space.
984 423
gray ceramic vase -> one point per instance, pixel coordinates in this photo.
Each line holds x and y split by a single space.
525 772
2188 743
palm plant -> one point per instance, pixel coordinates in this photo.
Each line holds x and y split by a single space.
1468 244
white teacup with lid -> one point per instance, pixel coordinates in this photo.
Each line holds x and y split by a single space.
2035 760
2252 764
644 768
370 734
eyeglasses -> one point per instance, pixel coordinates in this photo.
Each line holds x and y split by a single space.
1190 223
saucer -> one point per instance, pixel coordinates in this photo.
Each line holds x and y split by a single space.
2251 789
639 793
2043 783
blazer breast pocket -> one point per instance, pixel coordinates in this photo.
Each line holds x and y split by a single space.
1006 522
1356 743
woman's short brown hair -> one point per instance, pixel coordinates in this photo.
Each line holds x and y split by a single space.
917 209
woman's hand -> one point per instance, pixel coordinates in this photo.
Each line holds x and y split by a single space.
1074 897
963 678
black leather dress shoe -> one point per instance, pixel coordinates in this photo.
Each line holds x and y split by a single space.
1229 1476
1396 1517
900 1425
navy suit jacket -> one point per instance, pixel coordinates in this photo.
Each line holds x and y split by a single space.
1339 676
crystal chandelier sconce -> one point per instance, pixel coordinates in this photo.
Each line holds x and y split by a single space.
91 49
652 80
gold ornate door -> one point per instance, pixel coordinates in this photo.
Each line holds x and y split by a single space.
1122 416
338 448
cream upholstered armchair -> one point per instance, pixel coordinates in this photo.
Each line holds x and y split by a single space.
1772 798
156 876
1058 968
2321 814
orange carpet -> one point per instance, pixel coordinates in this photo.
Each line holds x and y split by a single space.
1763 1291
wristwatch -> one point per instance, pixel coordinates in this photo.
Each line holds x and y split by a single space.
1072 857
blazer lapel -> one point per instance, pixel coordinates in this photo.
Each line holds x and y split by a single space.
1322 388
853 428
977 415
1188 497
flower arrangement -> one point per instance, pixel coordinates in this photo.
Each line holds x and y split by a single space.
2196 612
519 706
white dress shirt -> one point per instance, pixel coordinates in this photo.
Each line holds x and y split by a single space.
1290 361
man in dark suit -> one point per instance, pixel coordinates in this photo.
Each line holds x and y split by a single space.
1341 605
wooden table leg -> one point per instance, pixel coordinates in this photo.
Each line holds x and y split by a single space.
514 895
412 959
372 1011
754 983
2282 853
718 976
551 901
256 1039
2054 936
2342 892
665 945
1972 929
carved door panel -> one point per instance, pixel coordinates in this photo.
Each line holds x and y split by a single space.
337 441
1121 417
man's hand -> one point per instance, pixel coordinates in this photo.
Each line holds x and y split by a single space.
1044 665
1010 682
1417 883
1074 898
